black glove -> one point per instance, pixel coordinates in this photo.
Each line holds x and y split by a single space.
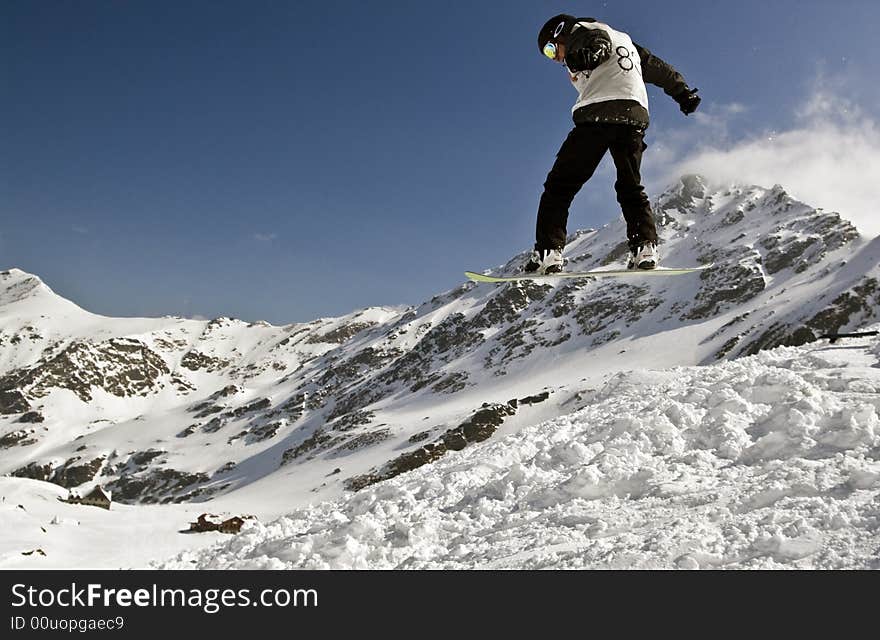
587 49
588 58
687 100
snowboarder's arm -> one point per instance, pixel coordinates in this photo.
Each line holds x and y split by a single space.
587 48
661 73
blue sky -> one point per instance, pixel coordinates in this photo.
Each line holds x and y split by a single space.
285 161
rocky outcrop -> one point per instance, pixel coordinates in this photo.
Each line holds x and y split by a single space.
341 334
11 400
123 367
721 290
847 310
160 485
197 361
805 241
22 438
480 426
72 473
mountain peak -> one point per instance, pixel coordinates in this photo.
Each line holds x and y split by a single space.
16 285
693 186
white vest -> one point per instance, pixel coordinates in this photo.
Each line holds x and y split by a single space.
618 78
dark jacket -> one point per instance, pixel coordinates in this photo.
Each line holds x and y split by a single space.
654 71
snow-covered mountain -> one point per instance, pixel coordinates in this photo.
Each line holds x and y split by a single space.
266 418
766 462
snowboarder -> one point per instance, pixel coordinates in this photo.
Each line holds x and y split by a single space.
609 72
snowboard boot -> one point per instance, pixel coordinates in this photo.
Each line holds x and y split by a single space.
544 262
645 256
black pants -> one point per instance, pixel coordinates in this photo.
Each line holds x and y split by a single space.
576 161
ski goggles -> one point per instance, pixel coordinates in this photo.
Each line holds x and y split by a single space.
550 50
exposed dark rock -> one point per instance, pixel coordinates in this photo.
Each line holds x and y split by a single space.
852 306
191 429
726 326
72 475
788 254
421 366
341 334
196 361
721 289
31 417
428 380
849 308
68 475
416 368
258 431
361 441
480 426
684 196
575 260
401 464
612 303
727 347
804 242
237 436
605 338
617 254
143 458
11 401
517 341
197 495
509 303
169 345
205 409
352 374
226 468
264 432
777 200
352 420
227 391
34 471
14 438
314 441
477 428
779 335
536 398
293 408
213 426
256 405
452 383
123 367
564 301
182 385
733 217
157 485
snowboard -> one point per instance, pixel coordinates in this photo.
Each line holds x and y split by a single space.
659 271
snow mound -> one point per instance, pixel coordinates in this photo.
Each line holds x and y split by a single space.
768 461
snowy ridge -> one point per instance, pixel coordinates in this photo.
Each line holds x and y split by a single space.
769 461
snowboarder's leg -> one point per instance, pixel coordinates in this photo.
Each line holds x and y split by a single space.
576 161
626 150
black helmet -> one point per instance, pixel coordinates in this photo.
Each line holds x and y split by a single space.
556 26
